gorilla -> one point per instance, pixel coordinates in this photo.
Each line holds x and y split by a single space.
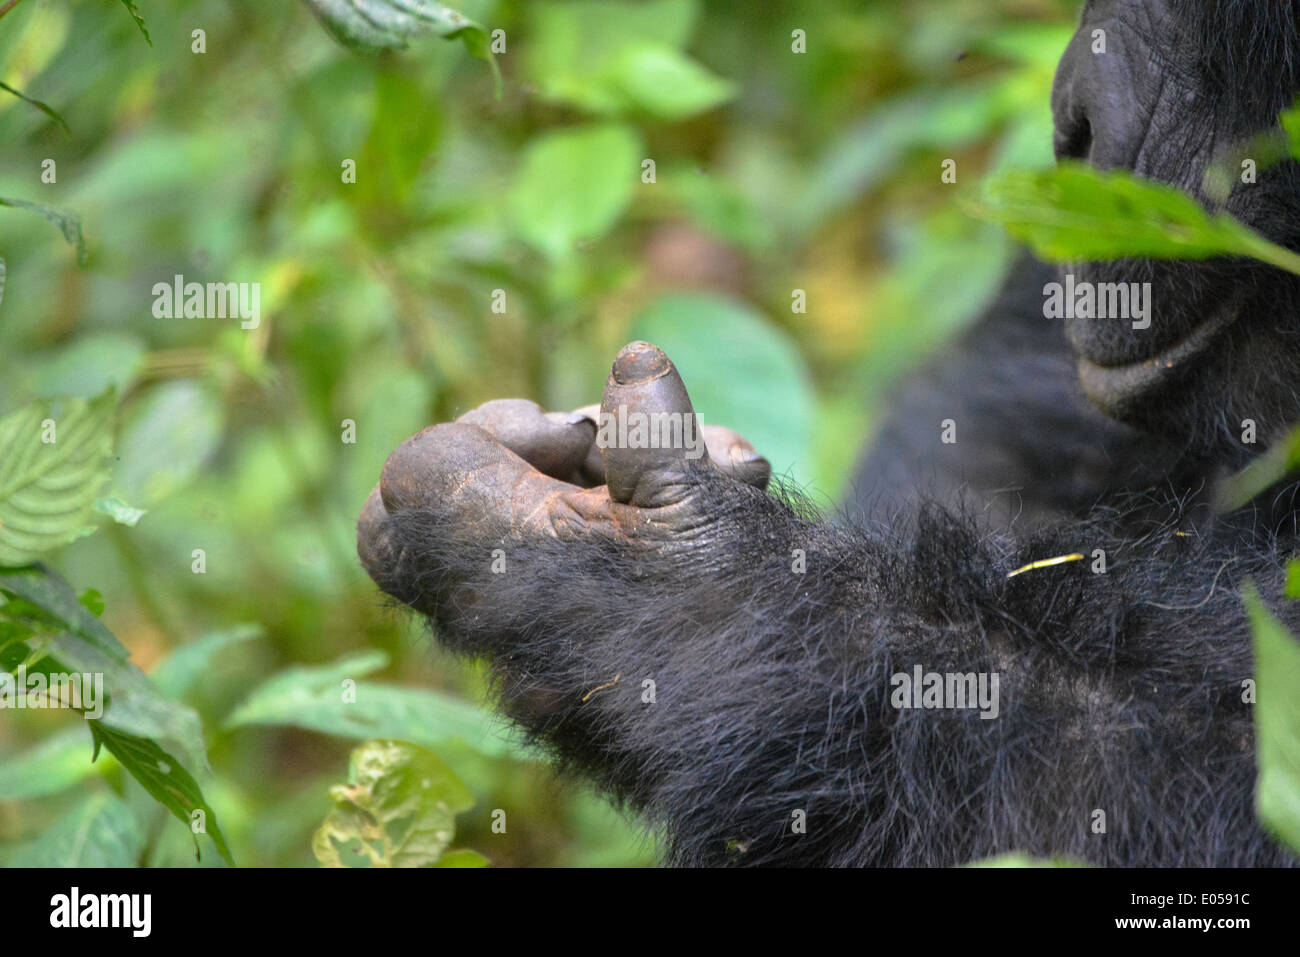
1028 639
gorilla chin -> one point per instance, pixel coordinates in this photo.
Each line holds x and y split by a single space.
1211 361
1125 390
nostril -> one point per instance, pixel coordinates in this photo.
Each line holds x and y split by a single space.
1073 141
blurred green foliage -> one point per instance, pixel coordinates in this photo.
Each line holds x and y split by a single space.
489 246
1277 721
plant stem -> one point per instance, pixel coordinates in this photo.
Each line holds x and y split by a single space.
1271 253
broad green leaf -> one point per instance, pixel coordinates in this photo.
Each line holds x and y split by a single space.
183 667
368 26
1073 212
55 764
1277 722
119 511
741 372
68 223
87 366
55 596
166 438
54 461
403 134
666 84
716 205
398 809
1293 579
166 780
573 185
873 150
577 49
2 280
316 698
100 831
76 641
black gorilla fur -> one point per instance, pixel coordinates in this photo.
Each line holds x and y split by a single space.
773 689
1121 691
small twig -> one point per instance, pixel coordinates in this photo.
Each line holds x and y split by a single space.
1047 563
607 684
7 7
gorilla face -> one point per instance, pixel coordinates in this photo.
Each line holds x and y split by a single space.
1179 86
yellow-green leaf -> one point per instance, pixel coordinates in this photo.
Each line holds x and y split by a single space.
398 809
54 461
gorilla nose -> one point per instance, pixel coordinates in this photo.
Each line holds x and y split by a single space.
639 361
1072 138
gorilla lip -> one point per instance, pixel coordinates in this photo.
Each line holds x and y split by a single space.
1111 385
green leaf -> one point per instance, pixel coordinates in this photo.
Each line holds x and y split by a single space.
398 809
666 84
1025 860
1293 579
1073 212
873 149
87 366
579 53
68 223
369 26
715 204
48 488
1290 120
74 640
3 272
403 134
573 185
39 105
93 601
183 667
139 22
1277 721
317 699
55 764
462 858
167 436
54 596
100 831
741 372
1279 461
119 511
166 780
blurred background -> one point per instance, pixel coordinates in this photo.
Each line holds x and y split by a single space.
792 247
